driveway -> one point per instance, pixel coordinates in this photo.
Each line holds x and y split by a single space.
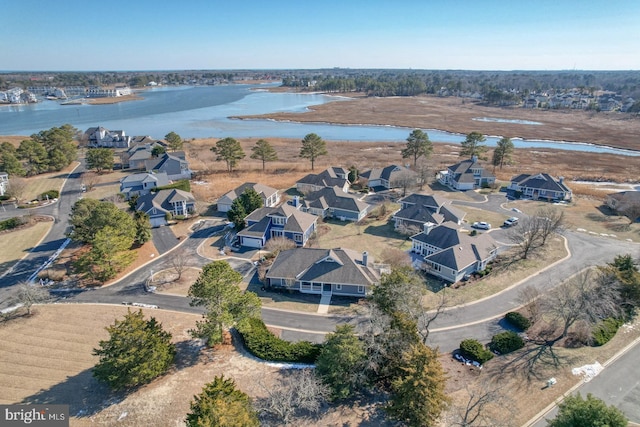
163 239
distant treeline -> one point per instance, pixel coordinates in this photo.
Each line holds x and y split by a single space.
489 84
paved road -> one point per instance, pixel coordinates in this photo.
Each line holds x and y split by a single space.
38 256
618 384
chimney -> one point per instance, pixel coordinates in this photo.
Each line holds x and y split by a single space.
561 179
474 158
365 258
427 227
296 202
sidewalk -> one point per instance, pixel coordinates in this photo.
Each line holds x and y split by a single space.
325 301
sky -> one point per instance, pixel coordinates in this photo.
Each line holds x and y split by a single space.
117 35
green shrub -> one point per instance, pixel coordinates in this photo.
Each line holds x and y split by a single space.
263 344
51 194
474 350
517 320
606 330
5 197
11 223
506 342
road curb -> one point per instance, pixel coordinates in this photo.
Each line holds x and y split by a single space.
540 415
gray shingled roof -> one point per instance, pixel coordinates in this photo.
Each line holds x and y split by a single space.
335 198
340 266
541 181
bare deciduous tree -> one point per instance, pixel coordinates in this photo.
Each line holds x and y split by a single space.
529 297
29 294
550 221
486 404
179 264
17 187
396 258
90 180
424 169
586 298
277 244
298 394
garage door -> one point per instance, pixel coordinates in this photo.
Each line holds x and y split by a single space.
157 222
251 242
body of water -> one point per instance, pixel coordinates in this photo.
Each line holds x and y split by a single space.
204 111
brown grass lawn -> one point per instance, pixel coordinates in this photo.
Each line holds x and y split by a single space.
167 282
374 237
47 358
38 184
589 215
22 241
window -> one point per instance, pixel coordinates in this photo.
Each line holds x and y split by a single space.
361 289
338 287
278 220
297 238
277 233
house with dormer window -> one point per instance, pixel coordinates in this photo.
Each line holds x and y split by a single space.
284 221
452 254
331 177
419 209
324 271
140 184
392 176
166 203
466 175
539 187
270 196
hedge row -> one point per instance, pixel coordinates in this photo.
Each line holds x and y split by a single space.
517 320
11 223
263 344
51 194
474 350
606 330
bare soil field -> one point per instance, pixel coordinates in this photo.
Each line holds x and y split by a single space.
457 115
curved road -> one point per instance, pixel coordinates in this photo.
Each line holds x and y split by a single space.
480 320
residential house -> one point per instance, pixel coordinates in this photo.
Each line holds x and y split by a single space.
331 177
140 184
451 254
174 165
284 221
625 203
4 183
416 210
138 153
324 271
270 196
333 202
102 137
466 175
166 203
539 187
389 177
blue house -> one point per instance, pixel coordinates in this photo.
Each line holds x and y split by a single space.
284 221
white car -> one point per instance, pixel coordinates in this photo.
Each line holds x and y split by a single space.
511 221
481 225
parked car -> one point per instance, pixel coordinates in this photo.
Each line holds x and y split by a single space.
481 225
511 221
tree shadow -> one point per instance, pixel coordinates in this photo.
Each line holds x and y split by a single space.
533 361
82 392
187 353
